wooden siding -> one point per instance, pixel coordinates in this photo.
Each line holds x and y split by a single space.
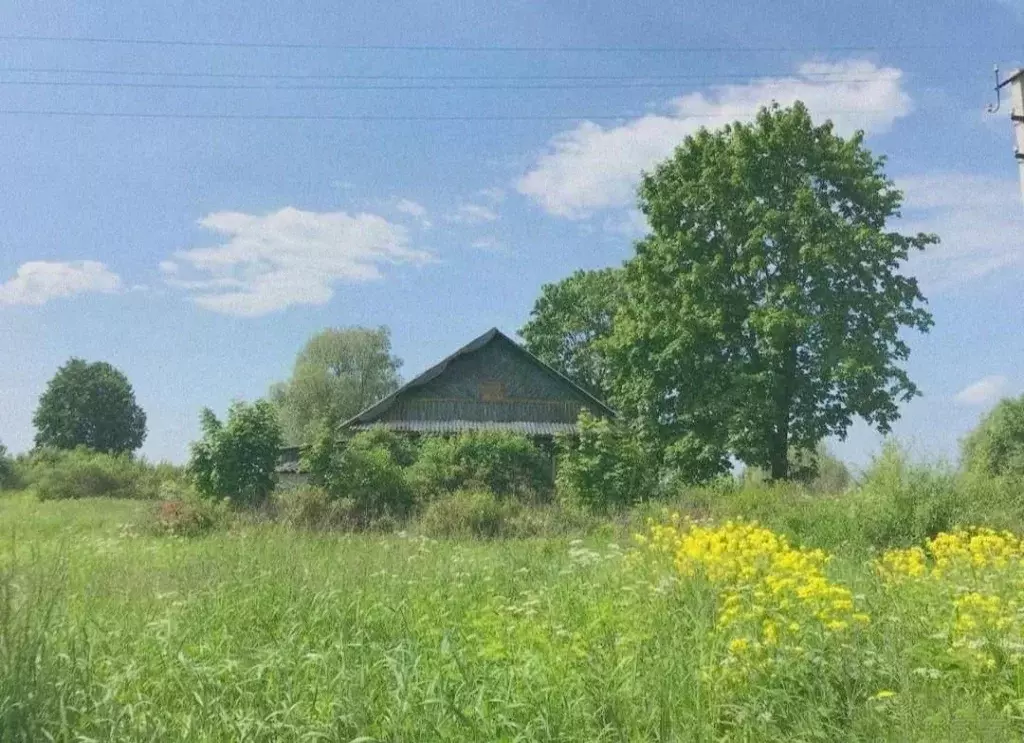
530 393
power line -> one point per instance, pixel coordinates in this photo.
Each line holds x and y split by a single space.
382 117
828 76
467 47
417 86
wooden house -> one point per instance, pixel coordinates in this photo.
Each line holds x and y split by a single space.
490 384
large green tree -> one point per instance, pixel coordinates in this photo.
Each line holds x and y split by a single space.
338 373
90 405
766 308
996 446
568 322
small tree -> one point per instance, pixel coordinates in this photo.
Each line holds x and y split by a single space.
90 405
604 466
996 446
236 459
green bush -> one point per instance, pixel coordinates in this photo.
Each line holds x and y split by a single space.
901 503
362 471
506 464
996 446
474 513
188 517
604 467
81 473
236 460
404 450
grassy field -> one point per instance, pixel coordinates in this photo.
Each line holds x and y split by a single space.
266 634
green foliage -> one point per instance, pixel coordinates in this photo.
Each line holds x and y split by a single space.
903 503
90 405
59 474
307 507
765 310
338 373
818 469
110 637
568 323
9 479
996 446
404 450
188 517
476 514
898 502
605 467
236 459
362 471
506 464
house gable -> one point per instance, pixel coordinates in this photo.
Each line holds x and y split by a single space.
490 383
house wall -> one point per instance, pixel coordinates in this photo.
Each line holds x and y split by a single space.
530 393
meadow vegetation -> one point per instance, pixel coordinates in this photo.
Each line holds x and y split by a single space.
883 611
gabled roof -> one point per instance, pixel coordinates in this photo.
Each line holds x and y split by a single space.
379 408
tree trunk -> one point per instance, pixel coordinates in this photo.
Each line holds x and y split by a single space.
778 447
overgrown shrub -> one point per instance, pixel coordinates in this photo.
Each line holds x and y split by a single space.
404 450
506 464
604 466
236 460
901 503
469 513
82 473
312 507
188 517
361 470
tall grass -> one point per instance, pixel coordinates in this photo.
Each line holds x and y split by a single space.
267 633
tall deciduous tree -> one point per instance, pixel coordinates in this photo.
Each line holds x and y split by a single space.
765 310
338 373
996 446
568 322
90 405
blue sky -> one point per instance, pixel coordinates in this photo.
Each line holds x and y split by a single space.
198 254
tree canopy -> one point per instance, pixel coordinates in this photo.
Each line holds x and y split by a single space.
338 373
996 446
236 459
765 309
90 405
568 322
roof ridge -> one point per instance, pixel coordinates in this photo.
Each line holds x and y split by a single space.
437 369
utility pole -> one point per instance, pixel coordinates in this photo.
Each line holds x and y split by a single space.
1016 84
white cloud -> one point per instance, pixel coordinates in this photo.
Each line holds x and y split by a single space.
979 219
488 244
628 223
493 195
273 261
168 267
412 208
983 392
37 282
595 167
473 214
